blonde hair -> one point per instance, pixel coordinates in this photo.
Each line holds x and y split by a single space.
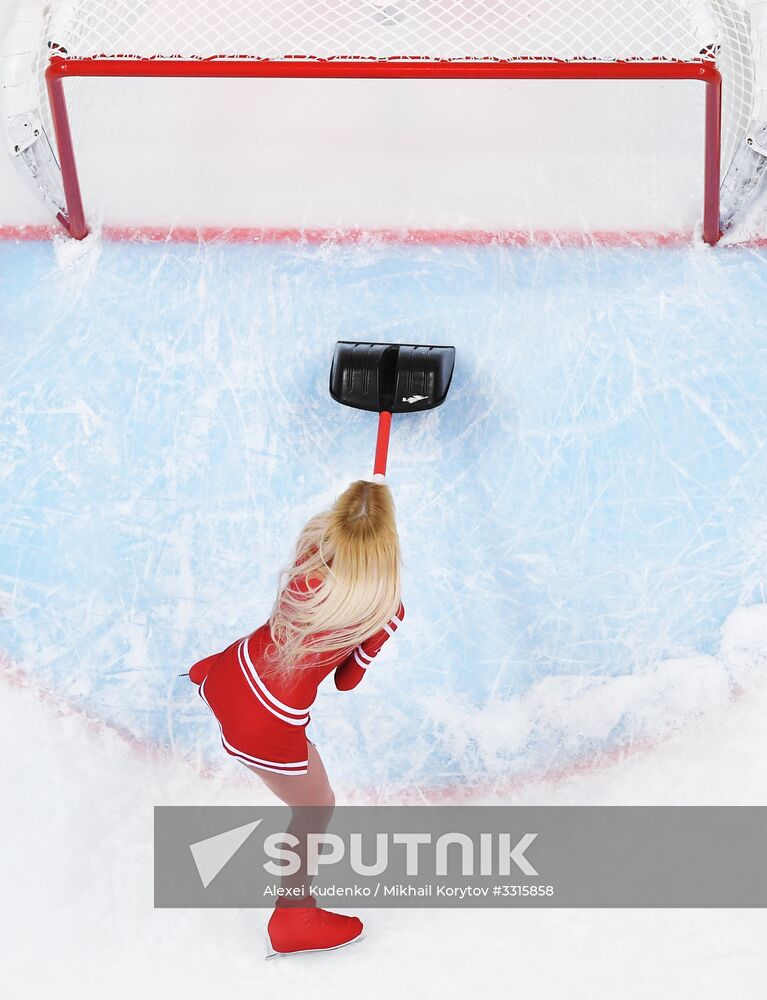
344 582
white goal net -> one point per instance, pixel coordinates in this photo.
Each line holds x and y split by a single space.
599 30
626 32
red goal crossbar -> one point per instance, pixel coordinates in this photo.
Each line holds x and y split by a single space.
61 69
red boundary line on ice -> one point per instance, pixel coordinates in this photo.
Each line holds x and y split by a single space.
446 794
20 679
353 237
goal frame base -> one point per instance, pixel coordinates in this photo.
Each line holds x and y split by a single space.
61 69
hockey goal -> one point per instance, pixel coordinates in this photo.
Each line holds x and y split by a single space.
710 41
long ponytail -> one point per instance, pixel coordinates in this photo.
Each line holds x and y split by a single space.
344 582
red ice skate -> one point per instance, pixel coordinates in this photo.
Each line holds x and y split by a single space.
295 930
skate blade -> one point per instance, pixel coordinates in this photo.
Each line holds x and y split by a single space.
271 953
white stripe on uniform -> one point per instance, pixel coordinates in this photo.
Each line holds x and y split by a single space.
302 721
265 690
277 767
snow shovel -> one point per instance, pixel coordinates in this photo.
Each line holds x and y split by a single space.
387 379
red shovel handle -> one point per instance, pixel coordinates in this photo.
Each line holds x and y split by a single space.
382 444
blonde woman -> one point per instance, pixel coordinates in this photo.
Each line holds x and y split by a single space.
337 605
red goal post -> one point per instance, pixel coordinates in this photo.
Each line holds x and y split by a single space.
705 40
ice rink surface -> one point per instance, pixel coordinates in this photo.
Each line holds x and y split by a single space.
77 916
583 523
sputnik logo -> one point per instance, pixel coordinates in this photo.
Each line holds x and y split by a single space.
215 853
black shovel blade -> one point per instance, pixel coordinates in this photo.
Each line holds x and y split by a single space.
397 378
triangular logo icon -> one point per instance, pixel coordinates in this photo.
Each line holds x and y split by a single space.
213 854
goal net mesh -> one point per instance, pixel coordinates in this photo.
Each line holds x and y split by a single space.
388 29
600 31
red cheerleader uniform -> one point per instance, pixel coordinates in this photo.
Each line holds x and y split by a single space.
263 723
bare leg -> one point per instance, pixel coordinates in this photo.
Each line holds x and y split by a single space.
296 924
311 800
310 789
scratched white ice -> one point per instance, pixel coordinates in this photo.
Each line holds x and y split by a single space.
583 524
